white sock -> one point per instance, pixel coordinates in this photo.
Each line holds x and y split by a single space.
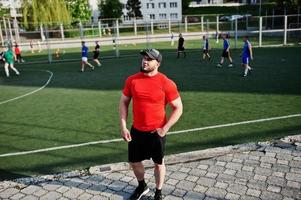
6 71
246 70
17 72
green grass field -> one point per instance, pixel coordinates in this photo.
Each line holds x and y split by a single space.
82 107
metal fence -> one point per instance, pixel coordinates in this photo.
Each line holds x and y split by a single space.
50 42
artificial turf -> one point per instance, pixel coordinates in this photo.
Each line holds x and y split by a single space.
81 107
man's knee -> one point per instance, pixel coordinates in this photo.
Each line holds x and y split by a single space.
136 164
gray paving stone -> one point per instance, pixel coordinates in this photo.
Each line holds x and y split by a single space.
230 171
30 197
221 163
234 166
278 181
172 181
117 185
216 192
31 189
253 192
185 185
8 193
209 182
237 189
17 196
263 171
85 196
216 169
171 197
202 166
295 170
197 172
178 175
244 174
40 193
221 185
232 196
211 175
225 178
200 188
73 193
294 184
295 164
293 177
281 168
192 178
51 195
260 177
270 196
274 189
179 192
255 184
194 196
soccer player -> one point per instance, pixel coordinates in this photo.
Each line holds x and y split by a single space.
181 48
18 53
9 57
226 51
246 55
205 48
85 57
150 91
96 54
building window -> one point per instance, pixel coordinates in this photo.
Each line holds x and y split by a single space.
162 16
162 5
173 4
174 15
150 5
152 16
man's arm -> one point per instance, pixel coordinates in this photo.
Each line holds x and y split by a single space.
177 110
123 115
251 51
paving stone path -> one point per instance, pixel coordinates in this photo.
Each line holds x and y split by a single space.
268 173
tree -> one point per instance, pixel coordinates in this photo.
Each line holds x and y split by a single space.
79 10
133 7
110 8
3 11
44 11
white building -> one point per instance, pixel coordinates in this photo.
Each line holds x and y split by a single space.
156 10
13 5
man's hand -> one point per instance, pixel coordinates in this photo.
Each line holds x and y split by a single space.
125 134
161 131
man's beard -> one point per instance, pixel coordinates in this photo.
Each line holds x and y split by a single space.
146 71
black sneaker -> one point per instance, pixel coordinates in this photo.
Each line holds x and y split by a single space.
139 192
158 196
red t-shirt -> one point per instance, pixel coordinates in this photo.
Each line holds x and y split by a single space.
17 50
150 96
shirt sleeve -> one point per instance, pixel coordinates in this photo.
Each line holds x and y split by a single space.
127 88
171 91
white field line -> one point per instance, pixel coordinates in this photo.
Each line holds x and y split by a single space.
170 133
32 92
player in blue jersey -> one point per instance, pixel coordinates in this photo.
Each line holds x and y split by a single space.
246 55
205 48
85 51
226 51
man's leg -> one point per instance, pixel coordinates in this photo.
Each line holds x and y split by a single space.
87 63
6 69
142 188
138 169
159 172
83 66
12 67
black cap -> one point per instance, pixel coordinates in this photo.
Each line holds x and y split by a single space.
152 53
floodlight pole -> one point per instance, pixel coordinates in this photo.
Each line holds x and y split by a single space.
202 23
285 31
235 34
152 27
260 31
62 31
117 38
5 28
135 26
99 28
48 45
186 26
1 35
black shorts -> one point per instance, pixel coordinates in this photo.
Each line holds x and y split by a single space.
225 54
96 54
181 49
205 51
146 146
